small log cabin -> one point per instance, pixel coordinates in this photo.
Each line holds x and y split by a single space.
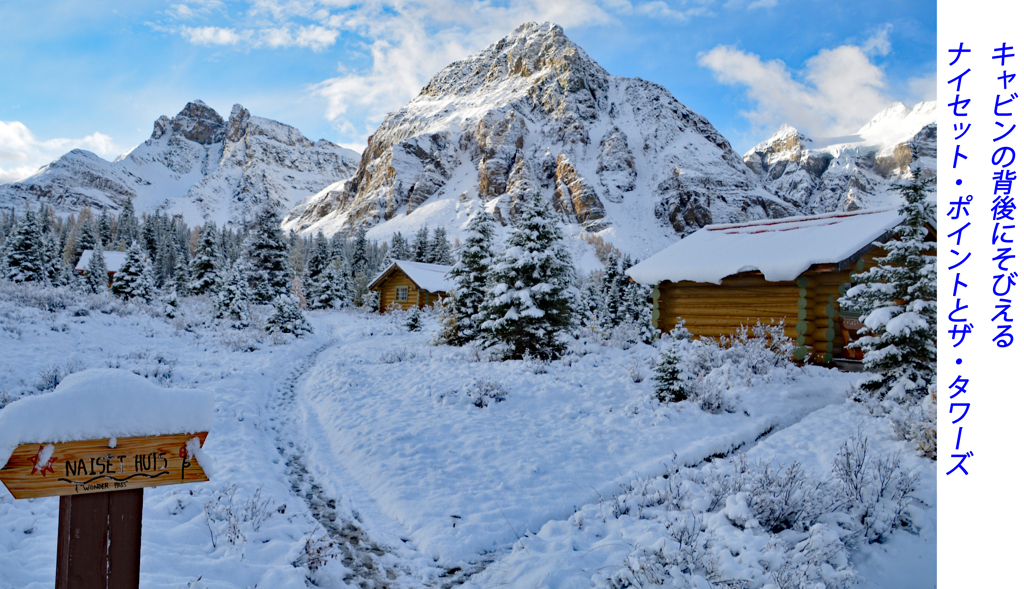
410 284
113 261
790 270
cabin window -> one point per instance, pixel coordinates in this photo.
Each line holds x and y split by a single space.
402 293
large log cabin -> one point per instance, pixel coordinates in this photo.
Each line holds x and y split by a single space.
408 284
790 270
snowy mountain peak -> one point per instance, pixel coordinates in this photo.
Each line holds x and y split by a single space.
850 172
196 165
533 113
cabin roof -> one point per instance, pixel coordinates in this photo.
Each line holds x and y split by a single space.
428 277
781 249
114 260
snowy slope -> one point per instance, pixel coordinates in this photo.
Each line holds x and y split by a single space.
196 165
850 172
618 157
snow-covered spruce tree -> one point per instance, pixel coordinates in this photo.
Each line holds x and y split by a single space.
612 292
668 378
470 277
24 253
399 248
315 281
205 266
897 304
134 280
338 287
232 300
57 270
127 228
270 273
421 246
440 251
96 278
359 259
414 322
288 317
532 300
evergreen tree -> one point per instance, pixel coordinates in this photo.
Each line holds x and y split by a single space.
205 266
104 229
337 293
531 302
58 272
470 277
232 300
24 255
421 246
414 322
96 278
127 226
399 249
267 253
668 378
86 234
440 251
359 259
287 317
134 280
612 293
315 281
897 303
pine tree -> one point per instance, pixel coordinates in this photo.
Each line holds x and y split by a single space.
612 293
24 254
440 250
337 293
232 300
127 226
96 278
287 317
897 303
359 259
267 253
205 266
315 281
103 229
86 234
668 378
399 248
421 246
531 302
414 322
134 280
470 277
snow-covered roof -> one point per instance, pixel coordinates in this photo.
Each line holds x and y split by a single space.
429 277
781 249
105 403
114 260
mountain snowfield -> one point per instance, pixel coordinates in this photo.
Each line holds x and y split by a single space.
196 165
856 171
619 157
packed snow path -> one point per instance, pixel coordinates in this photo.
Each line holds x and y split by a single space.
394 428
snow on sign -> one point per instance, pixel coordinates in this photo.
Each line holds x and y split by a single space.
103 430
96 466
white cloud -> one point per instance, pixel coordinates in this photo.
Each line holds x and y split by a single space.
22 153
878 44
763 4
212 35
410 42
659 9
840 88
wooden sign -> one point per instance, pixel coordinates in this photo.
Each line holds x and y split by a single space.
99 466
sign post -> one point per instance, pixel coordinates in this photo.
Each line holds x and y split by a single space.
100 485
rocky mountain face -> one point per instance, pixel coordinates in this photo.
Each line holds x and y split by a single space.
848 173
197 165
533 113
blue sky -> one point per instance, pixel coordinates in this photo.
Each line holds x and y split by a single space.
96 75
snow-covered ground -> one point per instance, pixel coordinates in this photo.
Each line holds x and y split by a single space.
403 456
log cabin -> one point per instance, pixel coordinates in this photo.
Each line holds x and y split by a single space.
408 284
113 261
791 270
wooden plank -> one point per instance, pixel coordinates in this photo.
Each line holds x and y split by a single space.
92 466
82 542
125 549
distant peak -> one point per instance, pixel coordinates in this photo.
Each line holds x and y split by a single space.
198 122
